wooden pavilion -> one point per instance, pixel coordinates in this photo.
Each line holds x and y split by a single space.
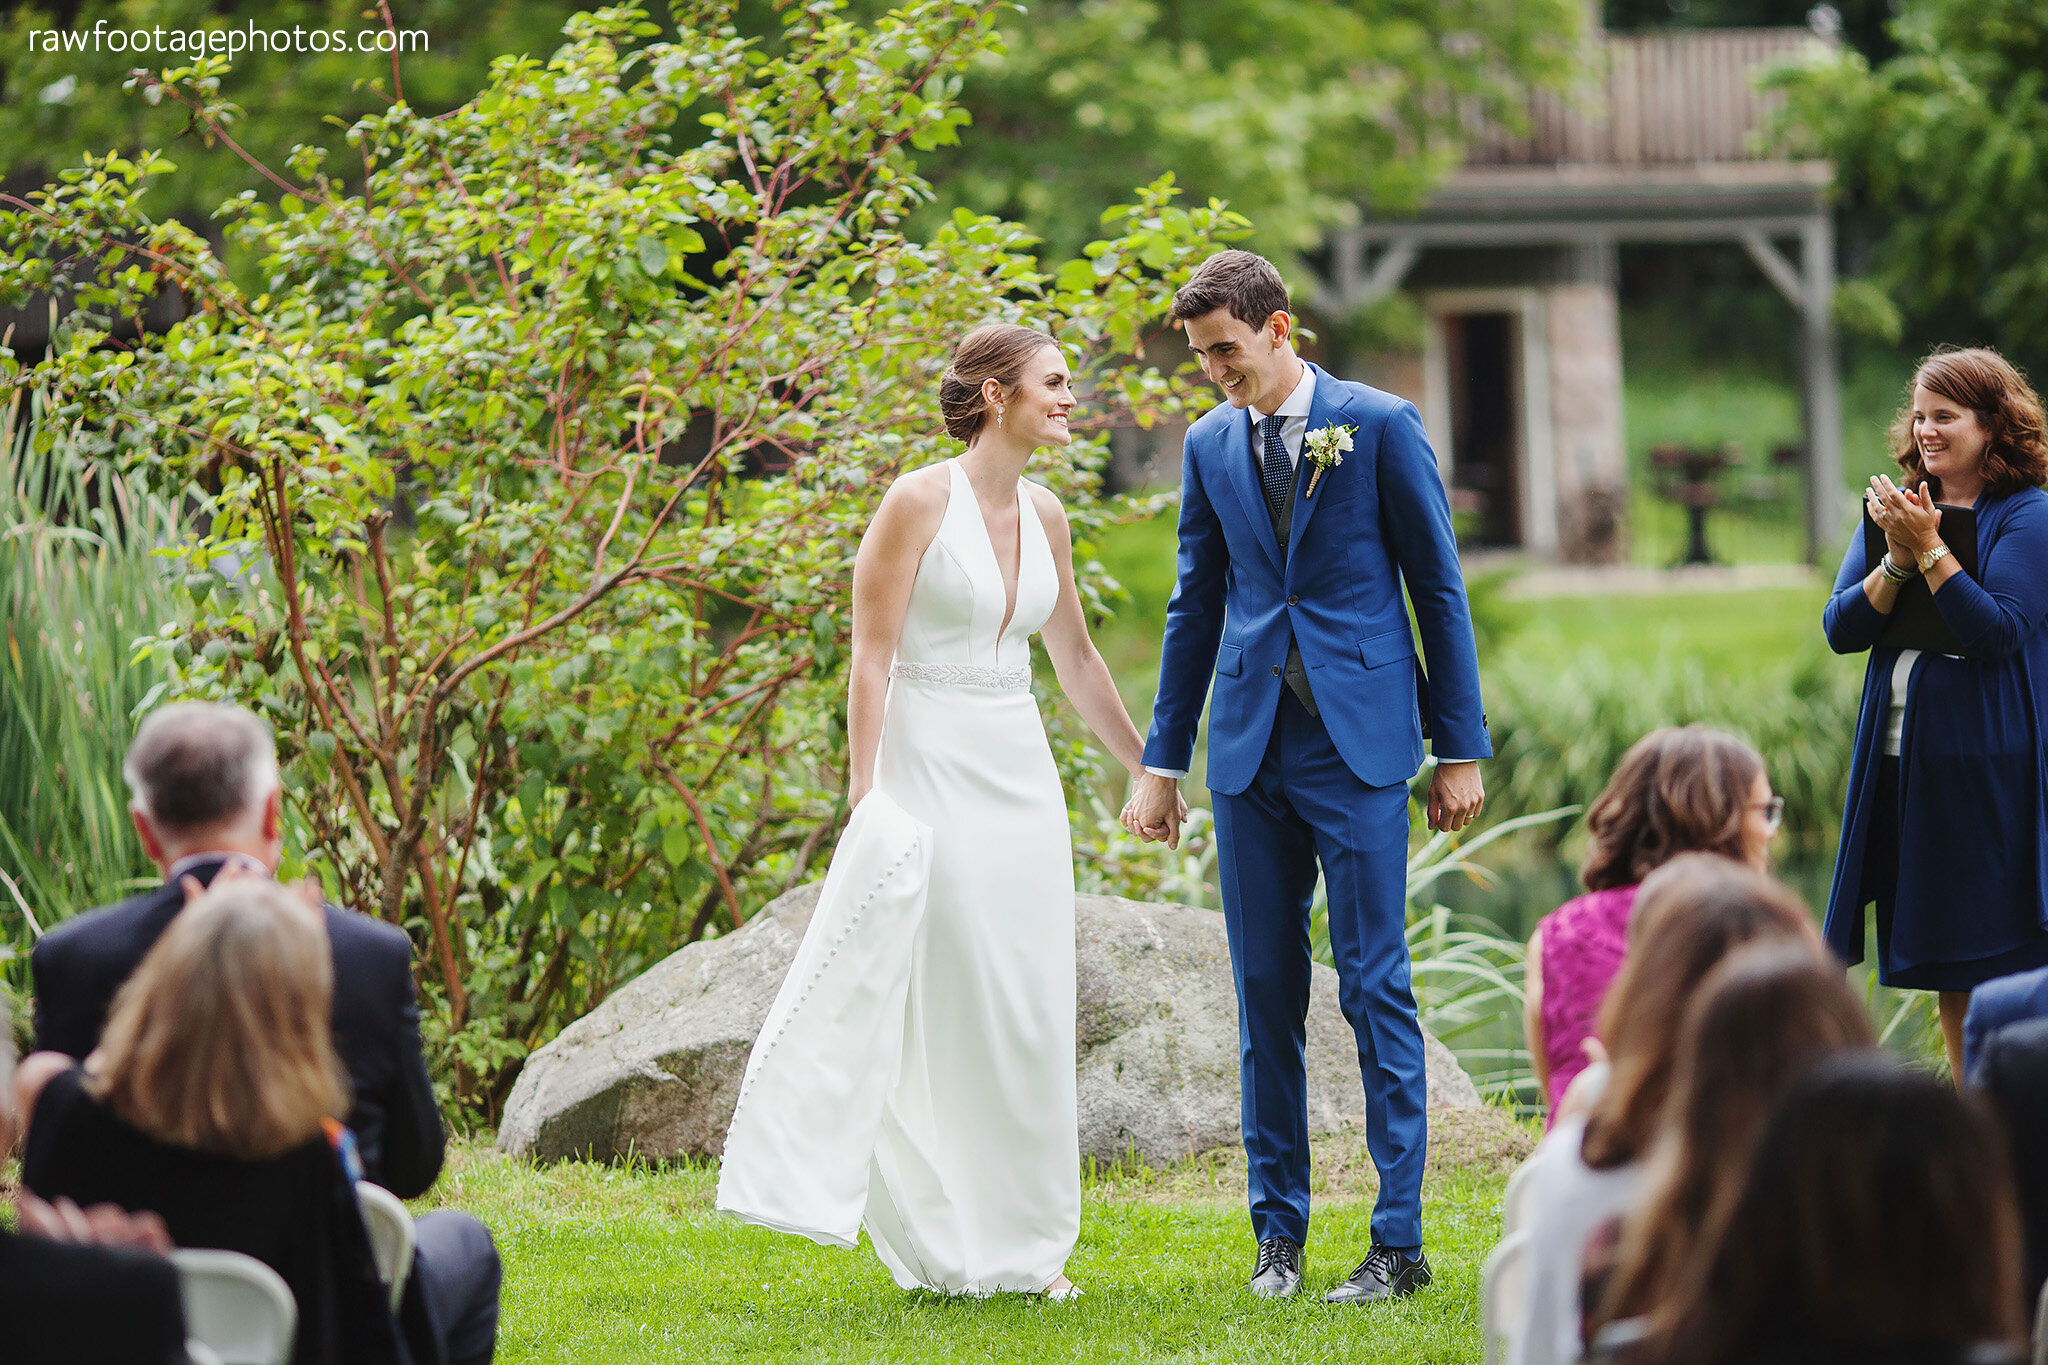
1514 260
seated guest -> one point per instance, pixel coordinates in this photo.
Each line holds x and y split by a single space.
83 1287
2012 1071
1875 1225
1680 789
1759 1023
1693 912
2000 1001
204 795
207 1102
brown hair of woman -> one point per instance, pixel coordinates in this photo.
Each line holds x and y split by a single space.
1760 1021
1877 1215
1681 788
221 1041
2007 407
1691 913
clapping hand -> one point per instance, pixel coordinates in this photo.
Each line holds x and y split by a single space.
1909 519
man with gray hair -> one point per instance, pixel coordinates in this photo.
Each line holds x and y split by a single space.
205 795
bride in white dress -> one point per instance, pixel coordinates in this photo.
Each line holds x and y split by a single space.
915 1075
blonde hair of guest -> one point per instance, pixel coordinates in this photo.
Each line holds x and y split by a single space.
222 1039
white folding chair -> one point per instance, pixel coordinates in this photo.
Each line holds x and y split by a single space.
1621 1335
236 1307
1503 1294
391 1236
1511 1199
2041 1327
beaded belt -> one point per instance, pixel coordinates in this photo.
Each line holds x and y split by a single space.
964 675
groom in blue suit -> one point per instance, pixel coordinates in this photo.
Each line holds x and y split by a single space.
1306 503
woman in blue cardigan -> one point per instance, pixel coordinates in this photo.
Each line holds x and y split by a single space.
1946 827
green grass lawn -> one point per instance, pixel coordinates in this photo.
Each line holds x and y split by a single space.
606 1266
1732 634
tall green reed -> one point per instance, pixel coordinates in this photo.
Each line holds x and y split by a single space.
1559 733
80 582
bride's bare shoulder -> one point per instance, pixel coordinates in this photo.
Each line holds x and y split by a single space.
1044 499
913 507
920 489
1047 504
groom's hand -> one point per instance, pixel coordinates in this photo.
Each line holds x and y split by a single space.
1155 809
1455 796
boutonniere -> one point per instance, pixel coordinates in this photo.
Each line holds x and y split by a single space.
1327 446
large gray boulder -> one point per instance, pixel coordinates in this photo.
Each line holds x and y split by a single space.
655 1070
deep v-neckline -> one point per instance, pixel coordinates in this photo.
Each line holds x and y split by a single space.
1012 591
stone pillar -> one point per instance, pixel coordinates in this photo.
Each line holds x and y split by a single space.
1820 385
1591 459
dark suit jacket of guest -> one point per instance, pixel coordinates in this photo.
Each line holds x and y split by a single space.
83 1305
79 965
1998 1002
2012 1069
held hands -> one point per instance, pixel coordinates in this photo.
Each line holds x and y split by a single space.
1156 810
1456 795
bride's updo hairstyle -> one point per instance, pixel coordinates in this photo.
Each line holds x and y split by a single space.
994 350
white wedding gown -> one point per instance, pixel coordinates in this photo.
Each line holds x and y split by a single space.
916 1072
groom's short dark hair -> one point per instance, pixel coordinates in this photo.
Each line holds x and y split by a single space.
1245 283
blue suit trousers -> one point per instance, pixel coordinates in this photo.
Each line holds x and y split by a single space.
1306 807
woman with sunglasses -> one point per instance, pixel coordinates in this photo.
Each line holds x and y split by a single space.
1946 825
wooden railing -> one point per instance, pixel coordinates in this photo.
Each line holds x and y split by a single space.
1667 99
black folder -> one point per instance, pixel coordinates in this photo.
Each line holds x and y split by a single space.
1915 621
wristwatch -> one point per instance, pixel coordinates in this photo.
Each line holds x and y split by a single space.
1929 558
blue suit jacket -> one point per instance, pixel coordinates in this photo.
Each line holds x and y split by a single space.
2004 1000
1375 519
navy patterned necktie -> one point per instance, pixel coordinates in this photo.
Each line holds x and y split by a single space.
1276 475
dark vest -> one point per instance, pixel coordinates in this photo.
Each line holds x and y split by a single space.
1294 675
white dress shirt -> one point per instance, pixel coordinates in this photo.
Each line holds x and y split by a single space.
1293 415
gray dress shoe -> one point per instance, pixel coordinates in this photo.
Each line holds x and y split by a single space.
1384 1274
1278 1273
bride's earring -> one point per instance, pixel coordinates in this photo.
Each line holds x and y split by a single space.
999 414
